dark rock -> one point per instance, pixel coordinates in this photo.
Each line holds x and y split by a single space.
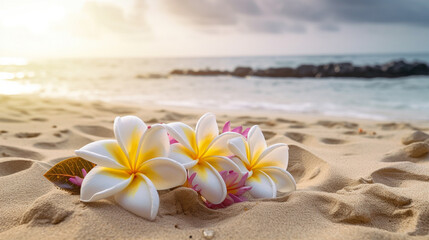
365 72
280 72
395 68
326 70
177 72
259 73
151 76
418 68
306 71
391 69
241 71
207 72
343 69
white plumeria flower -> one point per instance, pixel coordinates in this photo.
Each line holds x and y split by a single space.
131 168
266 166
204 152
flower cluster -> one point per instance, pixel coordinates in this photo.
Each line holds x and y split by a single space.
220 167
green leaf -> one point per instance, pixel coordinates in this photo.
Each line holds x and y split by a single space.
60 173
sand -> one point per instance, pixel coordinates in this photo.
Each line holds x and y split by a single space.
356 179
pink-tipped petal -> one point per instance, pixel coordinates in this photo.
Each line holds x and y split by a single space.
237 129
191 178
228 201
237 199
190 183
196 188
76 180
230 178
243 180
84 172
245 132
234 189
223 174
226 127
242 190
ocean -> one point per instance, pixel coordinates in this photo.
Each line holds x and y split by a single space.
124 81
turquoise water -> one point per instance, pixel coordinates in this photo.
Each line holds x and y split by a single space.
120 80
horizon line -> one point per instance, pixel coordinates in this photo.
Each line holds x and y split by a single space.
225 56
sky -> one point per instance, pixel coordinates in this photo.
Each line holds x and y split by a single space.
192 28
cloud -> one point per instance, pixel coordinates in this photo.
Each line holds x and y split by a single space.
294 16
204 12
245 15
413 12
98 18
271 26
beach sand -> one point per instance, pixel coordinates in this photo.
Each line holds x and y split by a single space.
356 179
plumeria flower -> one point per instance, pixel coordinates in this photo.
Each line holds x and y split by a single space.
266 166
227 128
235 187
204 152
76 180
131 168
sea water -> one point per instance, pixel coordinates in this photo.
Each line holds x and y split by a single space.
125 81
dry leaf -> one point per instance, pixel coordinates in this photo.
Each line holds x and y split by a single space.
61 172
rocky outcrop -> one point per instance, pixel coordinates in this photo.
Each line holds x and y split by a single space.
392 69
241 71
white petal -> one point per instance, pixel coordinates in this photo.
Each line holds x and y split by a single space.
241 166
219 146
223 164
283 179
164 173
128 131
154 143
256 142
262 185
105 153
181 154
206 130
210 182
140 197
103 182
184 134
239 148
276 155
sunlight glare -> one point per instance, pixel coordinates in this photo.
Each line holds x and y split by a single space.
38 19
12 88
10 61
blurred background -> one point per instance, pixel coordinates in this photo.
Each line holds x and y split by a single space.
124 51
